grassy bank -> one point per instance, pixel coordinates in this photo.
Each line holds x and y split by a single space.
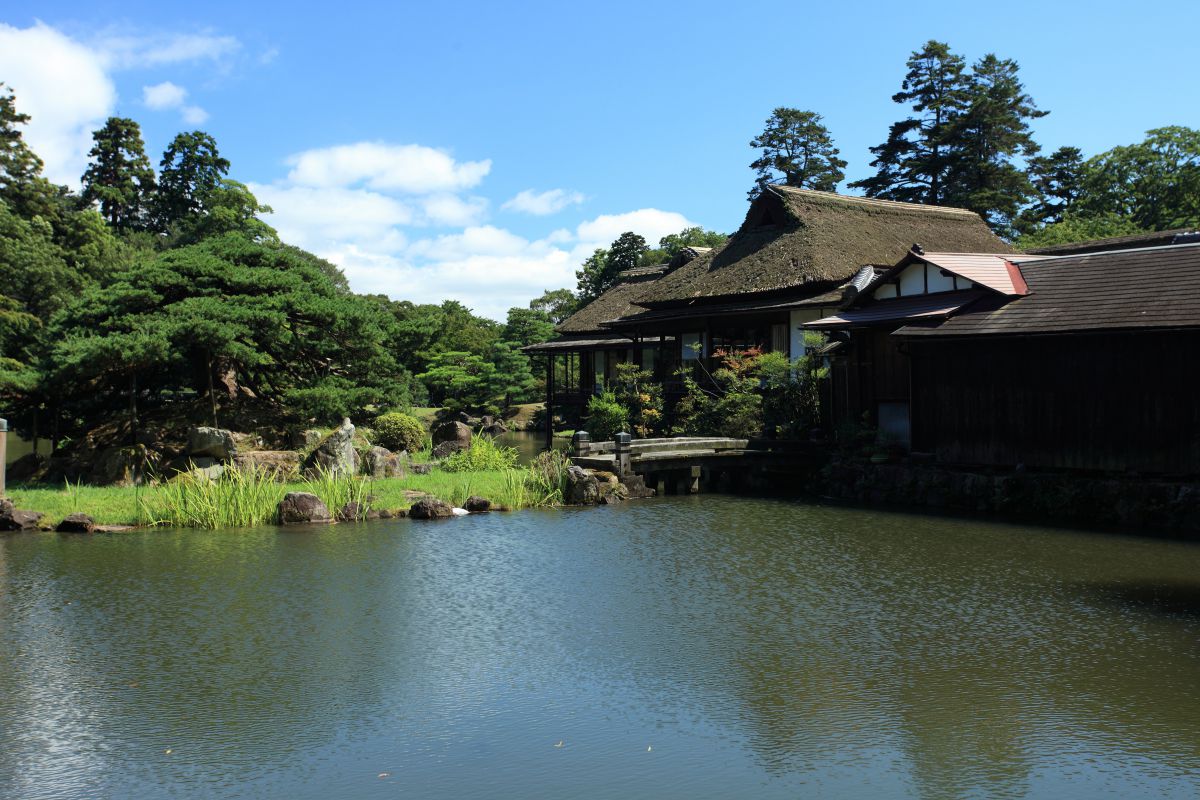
231 504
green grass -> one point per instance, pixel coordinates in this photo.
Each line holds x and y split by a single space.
238 501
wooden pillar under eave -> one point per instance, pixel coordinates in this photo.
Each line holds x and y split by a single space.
549 401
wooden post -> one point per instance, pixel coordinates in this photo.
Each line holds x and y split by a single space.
3 453
549 401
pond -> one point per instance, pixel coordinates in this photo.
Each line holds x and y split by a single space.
685 647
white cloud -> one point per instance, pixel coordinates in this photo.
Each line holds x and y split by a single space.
194 115
166 95
651 223
409 168
66 87
325 219
542 204
453 211
133 51
63 86
163 95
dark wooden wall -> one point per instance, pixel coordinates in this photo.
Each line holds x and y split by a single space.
875 369
1092 402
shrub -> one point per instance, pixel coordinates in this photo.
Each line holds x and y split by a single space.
606 417
483 454
636 390
398 431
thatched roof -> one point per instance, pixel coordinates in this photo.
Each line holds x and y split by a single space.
616 302
798 237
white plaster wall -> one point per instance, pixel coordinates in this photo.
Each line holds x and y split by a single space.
939 282
798 317
912 280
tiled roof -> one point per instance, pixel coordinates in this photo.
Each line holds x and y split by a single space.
901 309
1151 288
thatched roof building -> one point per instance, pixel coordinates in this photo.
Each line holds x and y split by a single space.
799 238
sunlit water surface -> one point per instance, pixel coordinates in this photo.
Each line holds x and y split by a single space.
678 648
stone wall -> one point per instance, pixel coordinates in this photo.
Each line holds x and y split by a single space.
1116 502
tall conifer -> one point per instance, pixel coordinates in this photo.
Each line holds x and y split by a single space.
119 177
913 163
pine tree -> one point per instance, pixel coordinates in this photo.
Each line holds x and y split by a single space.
191 167
984 140
18 164
120 178
796 146
1057 180
913 163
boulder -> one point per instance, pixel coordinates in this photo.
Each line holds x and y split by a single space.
458 432
582 487
429 508
212 442
379 462
306 439
494 429
29 467
76 523
336 454
180 464
445 449
124 466
477 505
247 441
299 508
421 469
635 486
281 464
351 512
14 519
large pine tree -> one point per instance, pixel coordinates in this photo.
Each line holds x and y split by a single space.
984 141
119 177
912 165
797 150
191 167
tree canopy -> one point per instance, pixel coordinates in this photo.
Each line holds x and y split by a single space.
797 150
119 176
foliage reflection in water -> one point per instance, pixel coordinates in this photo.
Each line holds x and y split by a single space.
684 647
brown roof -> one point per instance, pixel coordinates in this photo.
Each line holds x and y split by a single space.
917 307
1137 241
1151 288
616 302
795 237
577 343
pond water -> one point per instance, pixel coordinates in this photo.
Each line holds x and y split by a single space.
689 647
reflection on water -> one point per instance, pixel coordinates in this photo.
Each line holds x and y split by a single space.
528 444
682 647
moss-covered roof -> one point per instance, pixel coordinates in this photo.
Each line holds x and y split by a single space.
796 237
616 302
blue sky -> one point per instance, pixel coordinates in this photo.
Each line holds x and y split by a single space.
480 150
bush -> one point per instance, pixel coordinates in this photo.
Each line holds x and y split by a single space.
483 455
606 417
398 431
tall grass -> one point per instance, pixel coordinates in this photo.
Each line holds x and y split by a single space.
247 497
239 498
483 454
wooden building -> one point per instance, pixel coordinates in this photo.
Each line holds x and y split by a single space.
792 260
1080 361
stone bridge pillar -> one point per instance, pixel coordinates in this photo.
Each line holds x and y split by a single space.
624 453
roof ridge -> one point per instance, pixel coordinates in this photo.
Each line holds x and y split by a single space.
849 199
1017 258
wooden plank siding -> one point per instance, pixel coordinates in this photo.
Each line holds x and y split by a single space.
1107 402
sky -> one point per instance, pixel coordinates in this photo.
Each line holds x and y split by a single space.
480 151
